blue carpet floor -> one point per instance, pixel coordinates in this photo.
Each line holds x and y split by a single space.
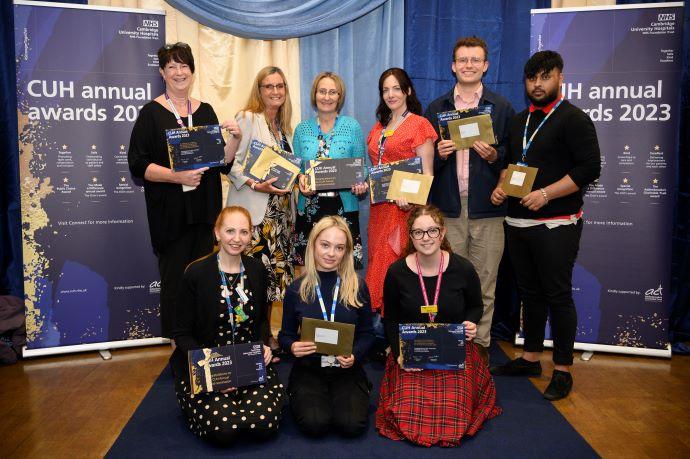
529 427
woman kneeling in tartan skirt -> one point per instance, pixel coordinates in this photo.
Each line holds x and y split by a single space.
430 407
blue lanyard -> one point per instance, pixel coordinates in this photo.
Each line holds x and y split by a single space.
335 300
525 143
226 293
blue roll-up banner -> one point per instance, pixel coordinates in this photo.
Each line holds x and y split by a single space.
90 276
622 66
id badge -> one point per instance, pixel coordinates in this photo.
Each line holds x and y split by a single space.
240 292
329 361
429 309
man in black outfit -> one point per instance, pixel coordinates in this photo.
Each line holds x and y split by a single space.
543 228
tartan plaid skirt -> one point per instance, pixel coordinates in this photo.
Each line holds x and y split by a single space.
435 407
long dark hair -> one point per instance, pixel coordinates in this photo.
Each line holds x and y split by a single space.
383 113
432 211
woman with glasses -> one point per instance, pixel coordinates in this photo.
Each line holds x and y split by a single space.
328 135
180 222
266 117
400 133
433 407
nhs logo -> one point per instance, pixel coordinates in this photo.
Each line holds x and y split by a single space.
154 23
667 16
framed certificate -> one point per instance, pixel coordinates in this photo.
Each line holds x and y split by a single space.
218 368
331 338
264 162
464 127
519 180
380 176
335 174
411 186
433 346
195 147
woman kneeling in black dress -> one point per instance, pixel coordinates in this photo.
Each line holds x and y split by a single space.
223 301
328 391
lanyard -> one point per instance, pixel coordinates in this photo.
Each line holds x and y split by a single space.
177 115
324 148
432 316
525 143
226 293
335 300
280 139
385 133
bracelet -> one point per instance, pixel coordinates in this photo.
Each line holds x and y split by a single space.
253 185
543 193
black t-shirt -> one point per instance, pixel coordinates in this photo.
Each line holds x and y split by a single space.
170 210
460 297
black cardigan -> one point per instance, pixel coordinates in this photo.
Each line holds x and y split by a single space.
197 308
565 145
170 210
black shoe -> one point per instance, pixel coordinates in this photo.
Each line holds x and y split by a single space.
560 385
517 367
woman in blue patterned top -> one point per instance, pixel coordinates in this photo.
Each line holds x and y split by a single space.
328 135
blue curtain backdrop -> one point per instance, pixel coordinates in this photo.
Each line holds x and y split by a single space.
359 52
433 26
10 218
274 19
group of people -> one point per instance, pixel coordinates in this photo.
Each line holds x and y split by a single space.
224 267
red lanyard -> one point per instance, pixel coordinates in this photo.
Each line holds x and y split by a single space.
432 316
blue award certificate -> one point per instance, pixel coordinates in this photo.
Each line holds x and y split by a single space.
433 346
218 368
195 147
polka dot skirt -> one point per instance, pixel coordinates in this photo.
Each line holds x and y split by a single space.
252 408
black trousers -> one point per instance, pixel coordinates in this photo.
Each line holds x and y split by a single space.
543 261
196 242
325 398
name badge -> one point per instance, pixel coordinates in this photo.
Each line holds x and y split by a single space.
240 292
429 309
329 361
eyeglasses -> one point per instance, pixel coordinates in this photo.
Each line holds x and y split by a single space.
272 87
329 92
418 234
472 60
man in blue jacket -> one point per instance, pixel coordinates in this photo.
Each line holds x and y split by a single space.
464 179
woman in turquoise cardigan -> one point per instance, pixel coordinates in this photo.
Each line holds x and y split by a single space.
327 135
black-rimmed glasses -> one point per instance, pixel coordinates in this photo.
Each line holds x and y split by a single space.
418 234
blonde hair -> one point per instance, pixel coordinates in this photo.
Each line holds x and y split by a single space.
349 282
255 103
339 86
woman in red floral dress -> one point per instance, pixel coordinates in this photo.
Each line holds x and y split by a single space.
400 133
